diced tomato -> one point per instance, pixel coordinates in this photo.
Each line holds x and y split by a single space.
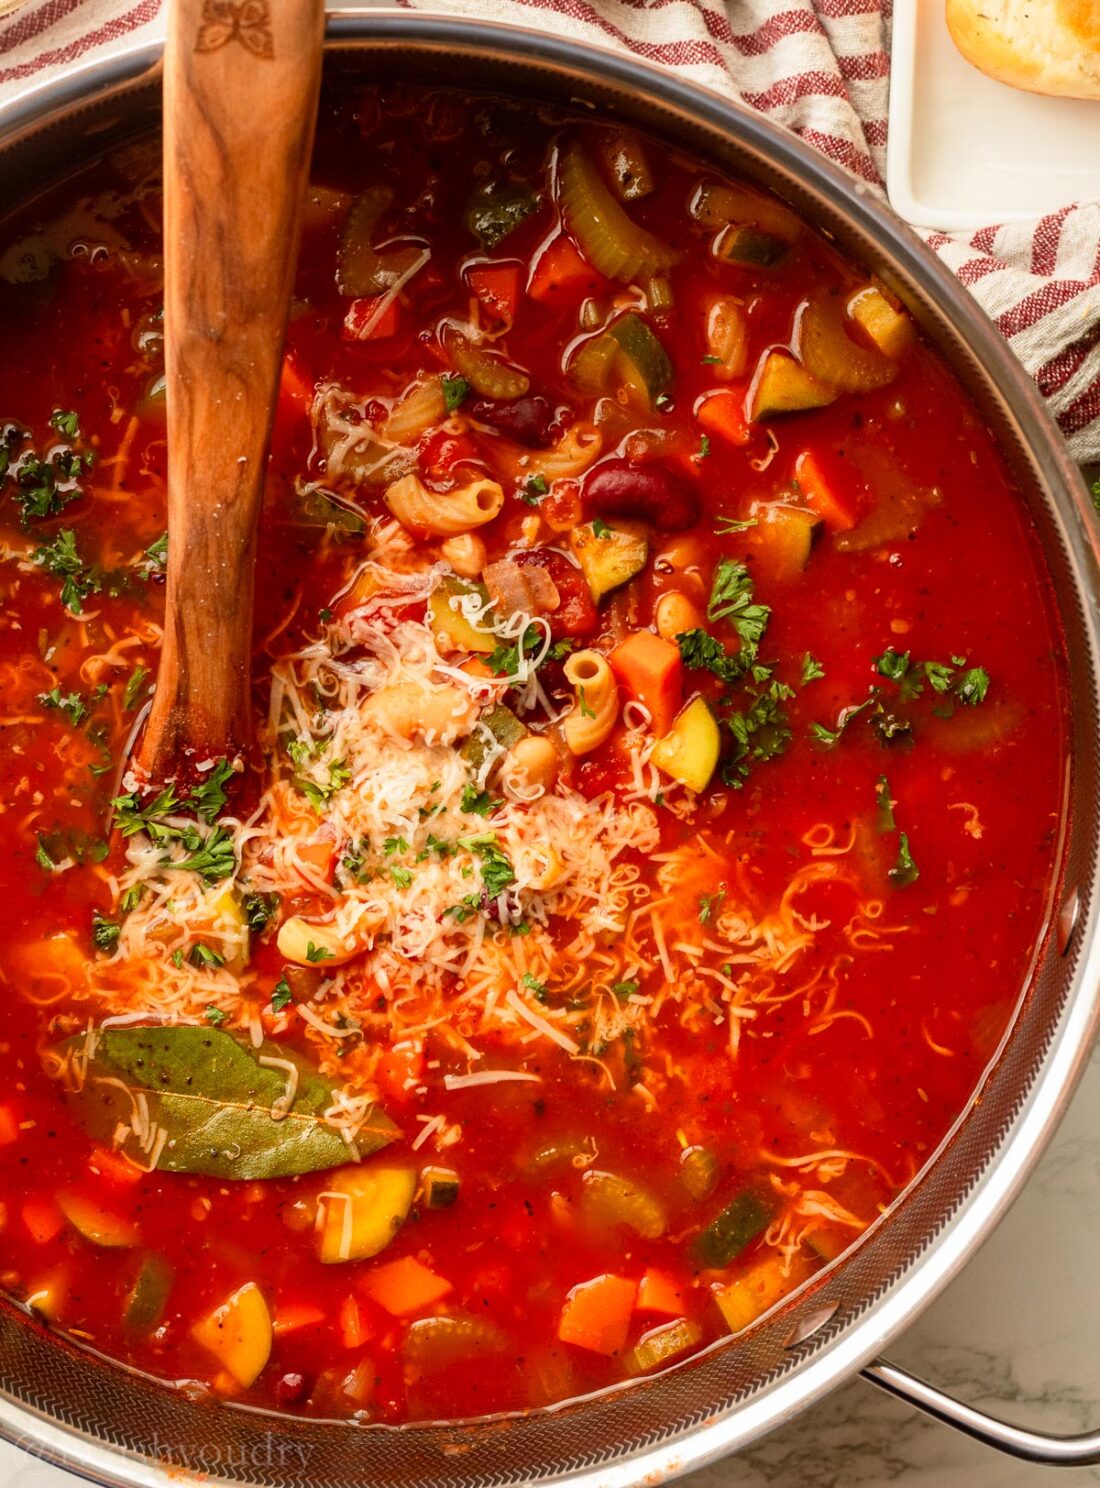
43 1219
723 415
576 615
9 1126
443 451
658 1292
113 1169
561 276
826 488
295 389
318 857
497 287
372 320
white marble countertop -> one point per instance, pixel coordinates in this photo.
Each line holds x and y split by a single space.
1016 1333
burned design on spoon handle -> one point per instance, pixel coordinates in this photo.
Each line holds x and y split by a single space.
237 142
249 23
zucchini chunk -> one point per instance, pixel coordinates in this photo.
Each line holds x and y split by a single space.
785 386
609 556
363 1207
452 630
441 1187
644 363
505 728
689 751
730 1232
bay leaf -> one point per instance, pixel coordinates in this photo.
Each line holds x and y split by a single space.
219 1107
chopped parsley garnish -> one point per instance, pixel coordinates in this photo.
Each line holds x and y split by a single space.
215 859
157 552
315 953
133 687
105 933
202 955
711 361
700 651
454 391
812 670
533 984
760 732
208 797
214 1014
710 905
66 422
259 911
731 598
394 845
884 803
281 995
318 792
478 803
704 448
534 490
42 856
504 660
71 704
62 559
905 871
496 867
586 711
402 877
625 989
600 528
969 685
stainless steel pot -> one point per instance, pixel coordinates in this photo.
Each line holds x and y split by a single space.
118 1427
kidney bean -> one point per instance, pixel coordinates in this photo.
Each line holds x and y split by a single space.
291 1389
650 492
576 615
526 420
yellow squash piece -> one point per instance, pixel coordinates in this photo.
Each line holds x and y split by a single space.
889 329
452 630
785 386
742 1301
97 1224
781 541
608 556
363 1207
238 1334
689 751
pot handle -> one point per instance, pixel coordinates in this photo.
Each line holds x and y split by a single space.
1033 1446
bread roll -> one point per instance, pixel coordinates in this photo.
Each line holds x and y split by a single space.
1045 46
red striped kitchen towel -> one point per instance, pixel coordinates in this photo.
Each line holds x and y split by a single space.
820 67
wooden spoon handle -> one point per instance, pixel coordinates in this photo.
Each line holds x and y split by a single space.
240 103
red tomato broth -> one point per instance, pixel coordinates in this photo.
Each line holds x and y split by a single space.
917 1023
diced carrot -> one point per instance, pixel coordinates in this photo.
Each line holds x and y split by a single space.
597 1314
371 320
650 669
291 1316
405 1287
657 1292
820 487
318 856
561 275
43 1219
295 390
476 667
353 1329
114 1169
9 1126
723 415
497 287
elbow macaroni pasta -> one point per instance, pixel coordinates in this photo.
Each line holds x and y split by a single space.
419 408
597 707
444 513
574 452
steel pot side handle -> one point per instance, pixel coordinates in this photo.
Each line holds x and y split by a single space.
1081 1450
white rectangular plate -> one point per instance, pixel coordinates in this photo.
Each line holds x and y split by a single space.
965 151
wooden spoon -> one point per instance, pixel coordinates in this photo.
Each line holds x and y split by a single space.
240 105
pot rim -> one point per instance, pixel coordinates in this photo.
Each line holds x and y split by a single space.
944 1255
